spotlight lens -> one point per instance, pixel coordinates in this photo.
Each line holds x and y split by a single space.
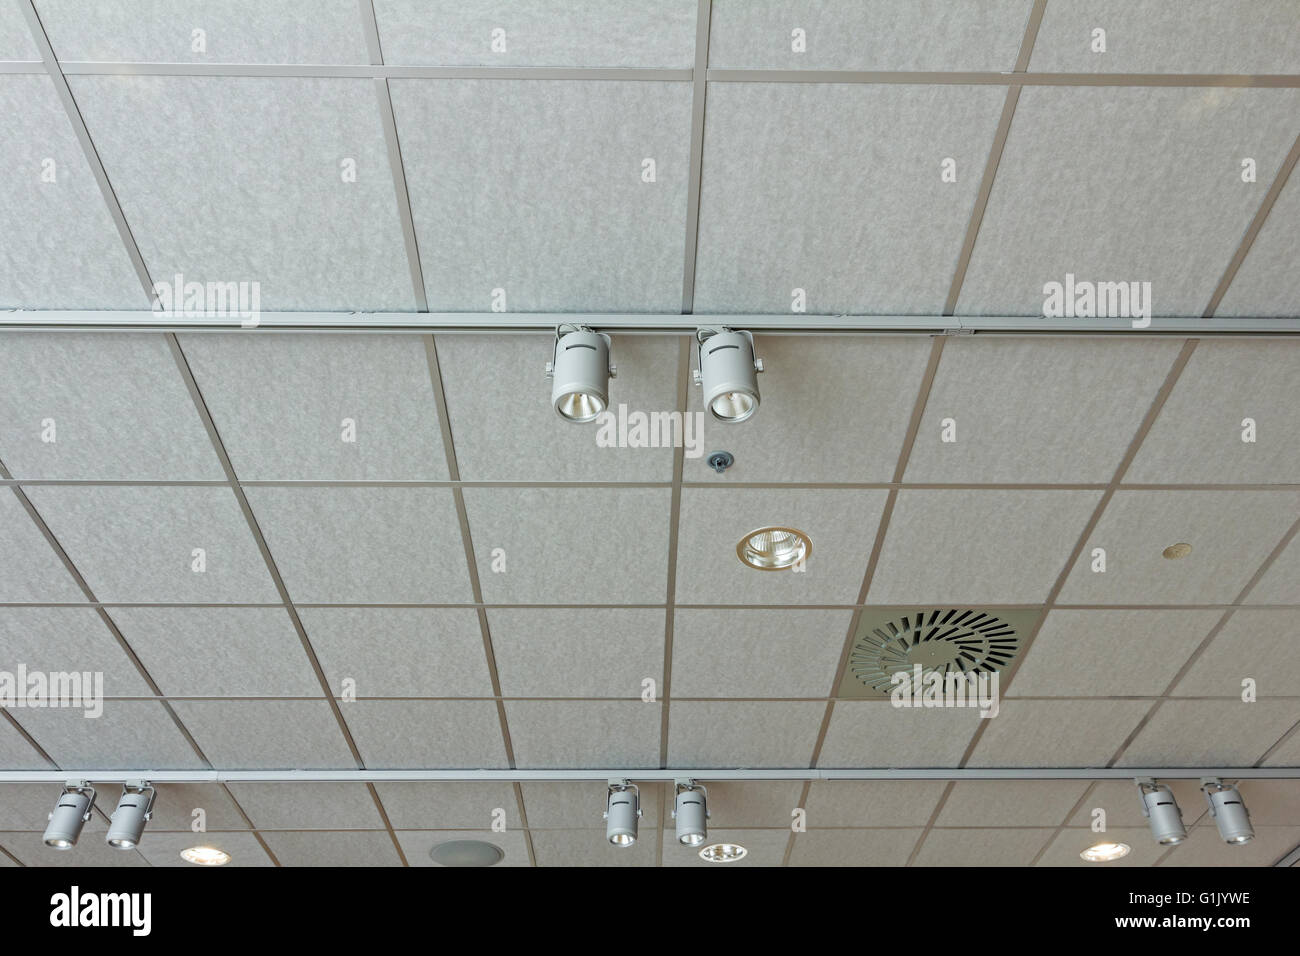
723 853
1105 852
206 856
733 406
1171 840
122 844
622 839
1240 839
773 549
693 839
579 406
59 844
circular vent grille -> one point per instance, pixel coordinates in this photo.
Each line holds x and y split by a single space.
949 641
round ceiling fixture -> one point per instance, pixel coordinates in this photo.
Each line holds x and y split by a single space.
580 371
467 853
774 549
205 856
723 853
1105 852
728 373
1176 551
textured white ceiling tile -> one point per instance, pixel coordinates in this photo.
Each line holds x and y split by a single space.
586 33
359 848
266 734
766 847
1287 753
757 653
836 190
1121 806
577 733
550 804
314 806
979 546
867 35
1064 850
1166 36
1231 532
1205 848
26 806
751 803
346 407
135 735
1151 646
15 36
506 429
29 568
234 31
114 405
364 545
982 847
743 733
841 524
17 754
1210 733
1271 802
400 652
1163 203
1010 803
219 651
61 249
872 803
51 640
1198 435
1263 645
545 533
596 652
1267 282
418 846
175 805
414 734
164 849
137 543
89 852
1281 582
542 195
262 200
412 806
810 388
590 848
877 734
854 847
1036 410
1057 733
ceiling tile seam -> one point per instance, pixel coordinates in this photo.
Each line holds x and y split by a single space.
1030 36
802 804
255 530
17 862
699 92
78 124
878 544
388 825
467 539
225 787
929 824
1252 231
31 741
523 823
1135 444
663 820
1065 823
1289 858
987 78
674 529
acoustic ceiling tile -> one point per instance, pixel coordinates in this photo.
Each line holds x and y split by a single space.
412 806
1281 582
332 848
72 640
314 806
743 733
872 803
1259 645
414 734
1266 283
854 847
1057 733
589 847
237 735
1009 803
29 568
1205 848
577 734
877 734
133 734
982 847
1210 733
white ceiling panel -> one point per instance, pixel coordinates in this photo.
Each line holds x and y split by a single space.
836 190
337 545
982 847
358 848
403 734
766 847
1056 733
327 806
1281 582
441 805
749 803
1266 283
1204 847
1231 532
29 568
590 848
51 640
17 754
1164 203
854 847
137 543
877 734
980 546
1271 802
129 734
1262 645
15 38
1210 733
585 33
1286 752
347 407
743 733
1009 803
872 803
543 195
268 199
235 734
418 845
584 733
164 849
176 803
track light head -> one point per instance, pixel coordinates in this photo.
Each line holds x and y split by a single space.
69 815
691 811
728 373
622 810
1229 811
134 810
580 371
1162 813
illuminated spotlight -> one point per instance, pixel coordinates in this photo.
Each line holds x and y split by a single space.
622 810
1105 852
580 372
134 810
1161 811
1229 812
723 853
69 815
729 373
691 811
205 856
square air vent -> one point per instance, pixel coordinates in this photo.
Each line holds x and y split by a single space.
947 639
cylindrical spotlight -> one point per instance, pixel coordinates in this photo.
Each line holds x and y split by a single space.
1162 813
729 374
134 810
1229 812
691 813
69 816
622 808
580 375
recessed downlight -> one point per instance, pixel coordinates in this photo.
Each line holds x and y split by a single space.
1175 551
723 853
205 856
467 853
1105 852
774 549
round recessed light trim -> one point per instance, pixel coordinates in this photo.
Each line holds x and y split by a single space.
205 856
723 853
467 853
1105 852
1176 551
774 549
